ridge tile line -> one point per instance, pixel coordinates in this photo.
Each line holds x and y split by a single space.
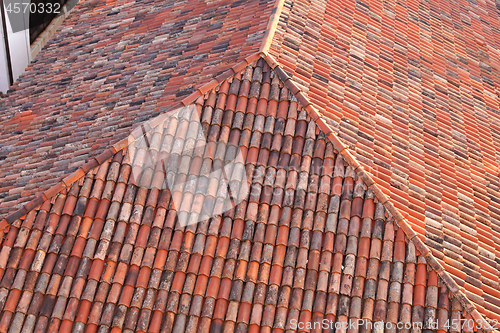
272 25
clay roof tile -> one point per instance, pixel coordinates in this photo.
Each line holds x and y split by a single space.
131 252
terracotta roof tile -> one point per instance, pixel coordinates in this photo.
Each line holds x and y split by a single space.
160 70
116 246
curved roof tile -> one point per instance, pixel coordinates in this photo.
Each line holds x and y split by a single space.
305 243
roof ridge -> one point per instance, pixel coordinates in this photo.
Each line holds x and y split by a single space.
271 27
96 161
398 218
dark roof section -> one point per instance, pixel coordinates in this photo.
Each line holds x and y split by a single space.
97 78
327 125
309 242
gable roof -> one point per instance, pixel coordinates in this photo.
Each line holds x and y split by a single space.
326 124
308 241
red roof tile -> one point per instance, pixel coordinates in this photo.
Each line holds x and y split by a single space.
99 87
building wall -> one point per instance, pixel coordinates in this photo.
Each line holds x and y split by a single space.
21 51
20 55
4 72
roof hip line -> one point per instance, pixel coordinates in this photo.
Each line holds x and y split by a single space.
367 179
302 98
271 28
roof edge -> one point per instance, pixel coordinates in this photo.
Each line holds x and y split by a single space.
108 153
367 179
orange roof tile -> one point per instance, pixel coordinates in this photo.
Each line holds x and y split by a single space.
403 76
86 89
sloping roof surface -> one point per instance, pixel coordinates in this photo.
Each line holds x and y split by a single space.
307 242
412 88
384 95
110 66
